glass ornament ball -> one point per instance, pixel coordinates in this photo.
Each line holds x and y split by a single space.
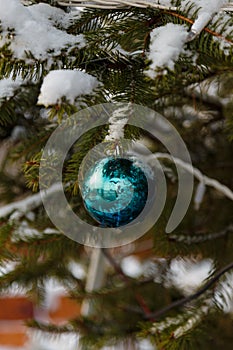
114 191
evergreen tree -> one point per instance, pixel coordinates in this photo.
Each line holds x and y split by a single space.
56 60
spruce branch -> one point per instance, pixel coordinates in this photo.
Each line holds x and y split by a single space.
126 279
106 291
206 29
183 301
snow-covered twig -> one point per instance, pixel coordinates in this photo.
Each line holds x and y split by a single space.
30 203
199 238
197 173
199 24
187 324
115 4
123 3
192 321
199 195
205 15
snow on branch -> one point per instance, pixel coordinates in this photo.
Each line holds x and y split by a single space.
8 87
184 324
33 29
65 83
198 174
210 7
207 10
26 205
167 43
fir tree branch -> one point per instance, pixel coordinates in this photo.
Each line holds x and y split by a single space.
206 29
126 279
109 291
185 300
115 265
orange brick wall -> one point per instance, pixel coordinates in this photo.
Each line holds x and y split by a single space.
15 310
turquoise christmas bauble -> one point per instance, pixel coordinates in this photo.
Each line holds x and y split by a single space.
115 191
